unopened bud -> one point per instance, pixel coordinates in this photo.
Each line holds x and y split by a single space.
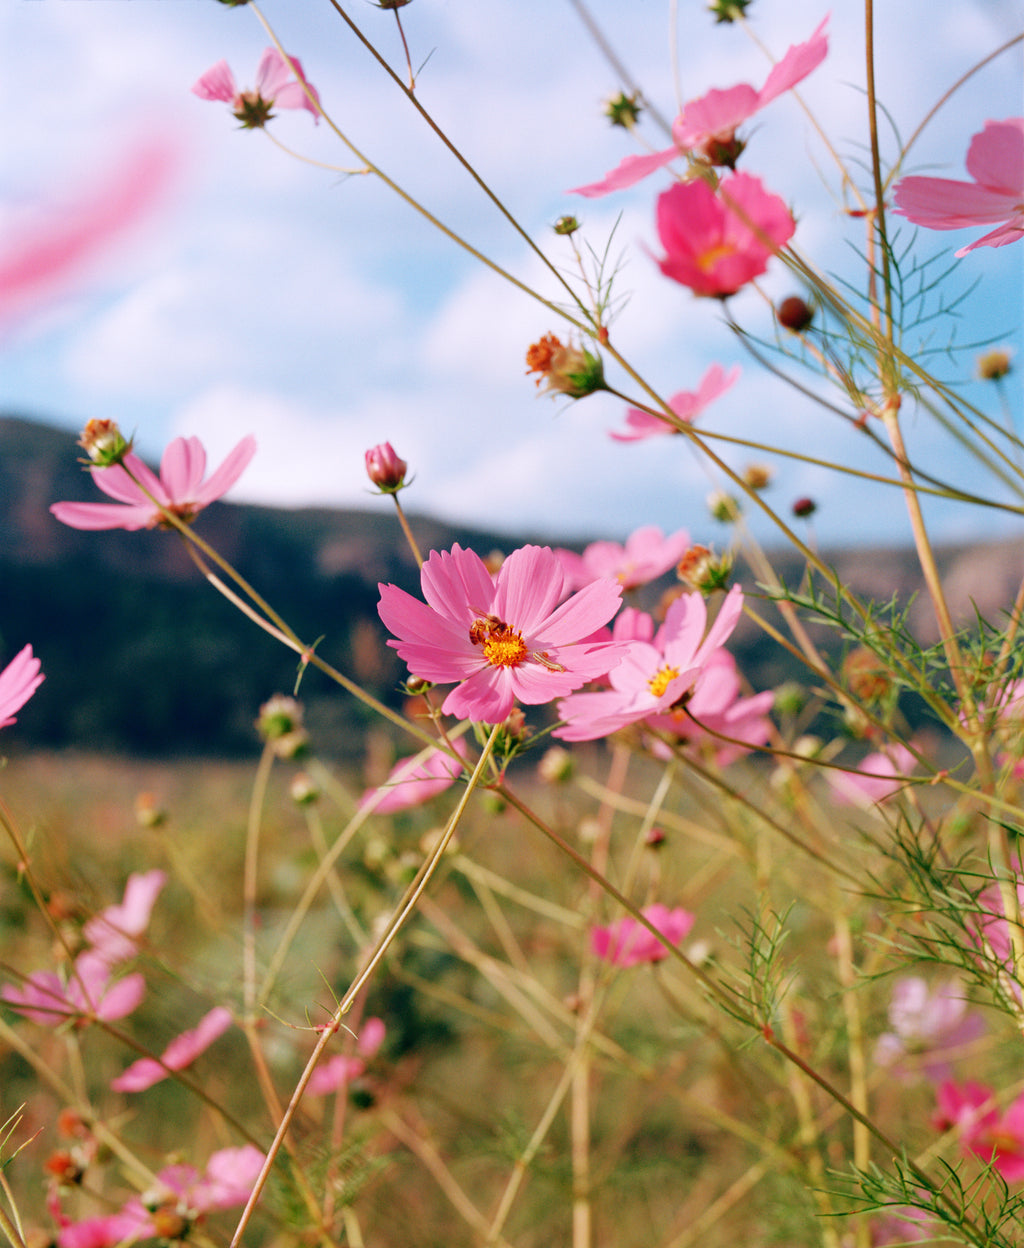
804 507
724 507
701 569
279 716
728 10
794 314
385 469
148 812
623 110
303 789
104 443
572 371
566 225
994 365
556 766
757 476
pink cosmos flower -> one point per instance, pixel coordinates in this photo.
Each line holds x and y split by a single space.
929 1022
340 1070
501 637
995 160
709 124
882 781
991 930
628 943
687 405
412 786
994 1136
709 244
647 554
181 1052
114 934
274 86
89 993
18 682
180 487
653 676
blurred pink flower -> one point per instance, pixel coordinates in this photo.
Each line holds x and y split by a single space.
275 86
991 930
652 676
181 1052
687 405
385 468
180 487
501 637
628 943
647 554
709 123
878 778
18 682
114 933
412 786
709 245
340 1070
929 1022
89 993
994 1136
123 1227
995 160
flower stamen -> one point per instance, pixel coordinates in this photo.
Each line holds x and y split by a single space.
661 680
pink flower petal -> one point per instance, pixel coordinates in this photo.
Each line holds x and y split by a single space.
18 682
629 171
218 83
181 1052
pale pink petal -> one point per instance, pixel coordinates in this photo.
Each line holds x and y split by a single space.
371 1036
794 67
457 584
104 1232
271 74
715 115
527 588
182 468
223 478
230 1177
181 1052
944 204
486 696
126 483
1011 232
995 157
581 614
115 932
412 786
334 1074
41 998
628 172
18 682
103 516
218 83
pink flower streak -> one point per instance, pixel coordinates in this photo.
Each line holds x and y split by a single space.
994 1136
717 243
709 124
412 786
180 488
647 554
928 1023
995 160
628 943
652 677
501 637
18 682
274 86
181 1052
339 1070
687 405
883 778
114 934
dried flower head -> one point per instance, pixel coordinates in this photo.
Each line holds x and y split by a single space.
994 365
701 569
572 371
865 675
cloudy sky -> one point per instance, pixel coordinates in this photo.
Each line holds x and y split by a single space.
251 292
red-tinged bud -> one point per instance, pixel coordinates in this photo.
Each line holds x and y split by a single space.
804 507
104 443
654 839
385 469
303 790
794 314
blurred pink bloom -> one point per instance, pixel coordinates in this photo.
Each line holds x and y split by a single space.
653 676
986 1132
412 786
181 1052
628 943
929 1022
89 993
180 487
18 682
647 554
709 124
114 934
58 241
501 637
104 1232
995 160
709 246
882 781
687 405
340 1070
992 931
275 86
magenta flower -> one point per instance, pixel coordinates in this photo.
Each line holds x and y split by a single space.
181 1052
274 86
18 682
717 243
687 405
180 488
647 554
929 1022
412 786
708 125
884 778
114 934
628 943
501 637
995 160
652 677
89 993
994 1136
340 1070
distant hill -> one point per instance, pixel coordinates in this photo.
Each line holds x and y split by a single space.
142 657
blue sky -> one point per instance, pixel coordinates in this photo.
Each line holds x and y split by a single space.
319 312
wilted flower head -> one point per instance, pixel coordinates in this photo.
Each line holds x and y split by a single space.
572 371
275 86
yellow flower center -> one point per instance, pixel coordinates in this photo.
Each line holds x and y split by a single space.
661 680
502 646
707 260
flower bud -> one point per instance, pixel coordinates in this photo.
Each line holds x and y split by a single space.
566 225
556 766
385 469
701 569
724 507
728 10
148 812
757 476
794 314
865 675
572 371
104 443
804 507
623 110
994 365
303 789
279 716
